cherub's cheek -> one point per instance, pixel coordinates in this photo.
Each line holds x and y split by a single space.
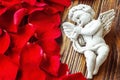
78 21
74 18
84 19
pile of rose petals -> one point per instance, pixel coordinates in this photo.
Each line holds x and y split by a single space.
28 47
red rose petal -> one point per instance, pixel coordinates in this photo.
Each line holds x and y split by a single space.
4 41
76 76
47 26
9 3
50 47
8 70
20 39
44 22
2 10
40 4
19 14
62 2
35 9
51 65
31 2
54 8
53 34
1 31
6 21
14 55
30 72
31 54
63 71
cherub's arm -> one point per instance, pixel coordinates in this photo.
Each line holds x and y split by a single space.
91 29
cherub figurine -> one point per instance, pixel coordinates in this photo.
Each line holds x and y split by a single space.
87 35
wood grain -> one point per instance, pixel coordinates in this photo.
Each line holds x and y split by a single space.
110 70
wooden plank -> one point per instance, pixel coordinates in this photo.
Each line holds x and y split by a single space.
110 70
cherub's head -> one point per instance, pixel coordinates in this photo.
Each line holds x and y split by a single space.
81 14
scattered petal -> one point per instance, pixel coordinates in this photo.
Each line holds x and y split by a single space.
31 54
2 10
6 21
76 76
9 3
22 37
44 22
40 4
63 71
54 8
30 72
51 65
4 41
50 47
8 69
31 2
14 55
19 14
61 2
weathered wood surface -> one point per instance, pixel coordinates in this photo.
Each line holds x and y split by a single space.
110 70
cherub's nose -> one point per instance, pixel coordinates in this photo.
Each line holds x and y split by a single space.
79 21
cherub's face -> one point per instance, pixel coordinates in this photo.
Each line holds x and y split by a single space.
81 17
81 14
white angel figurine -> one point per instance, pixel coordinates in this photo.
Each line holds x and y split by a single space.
87 35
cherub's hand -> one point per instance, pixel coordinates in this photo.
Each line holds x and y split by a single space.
77 29
75 33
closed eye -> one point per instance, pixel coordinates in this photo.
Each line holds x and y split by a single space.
83 7
78 18
80 21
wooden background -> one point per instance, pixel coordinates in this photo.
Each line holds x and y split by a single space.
110 70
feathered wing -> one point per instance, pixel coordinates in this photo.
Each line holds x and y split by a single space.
106 19
68 28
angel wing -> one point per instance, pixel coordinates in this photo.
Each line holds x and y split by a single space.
106 19
68 28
